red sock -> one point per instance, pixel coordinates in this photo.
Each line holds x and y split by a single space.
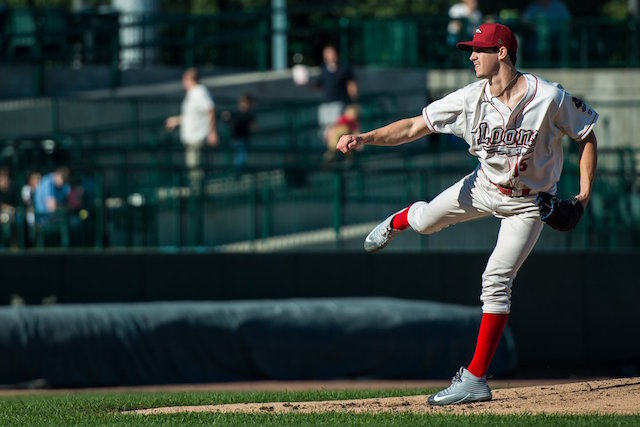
491 328
400 220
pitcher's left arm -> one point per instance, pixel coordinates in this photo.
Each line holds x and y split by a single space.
588 165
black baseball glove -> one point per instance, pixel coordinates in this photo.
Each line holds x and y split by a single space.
559 214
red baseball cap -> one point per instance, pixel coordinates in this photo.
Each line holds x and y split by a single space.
491 35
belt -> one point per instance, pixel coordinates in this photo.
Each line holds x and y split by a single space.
512 192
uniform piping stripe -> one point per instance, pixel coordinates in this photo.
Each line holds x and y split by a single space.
427 120
494 107
588 129
535 92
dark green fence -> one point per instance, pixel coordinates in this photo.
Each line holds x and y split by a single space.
242 40
141 205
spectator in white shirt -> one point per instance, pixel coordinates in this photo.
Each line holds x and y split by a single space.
465 18
197 119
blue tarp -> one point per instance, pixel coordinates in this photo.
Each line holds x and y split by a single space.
194 342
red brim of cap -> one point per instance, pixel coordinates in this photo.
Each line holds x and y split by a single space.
467 46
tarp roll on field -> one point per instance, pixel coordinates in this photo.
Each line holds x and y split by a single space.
195 342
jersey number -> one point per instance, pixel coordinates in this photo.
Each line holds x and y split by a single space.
522 166
580 105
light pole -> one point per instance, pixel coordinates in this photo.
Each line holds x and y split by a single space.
278 34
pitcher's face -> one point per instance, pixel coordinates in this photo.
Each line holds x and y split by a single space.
485 62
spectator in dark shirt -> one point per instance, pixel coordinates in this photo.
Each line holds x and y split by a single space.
7 207
337 81
242 124
7 201
548 21
338 84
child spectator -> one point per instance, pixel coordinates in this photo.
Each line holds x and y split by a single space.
346 124
242 124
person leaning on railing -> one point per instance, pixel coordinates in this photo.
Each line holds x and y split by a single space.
50 195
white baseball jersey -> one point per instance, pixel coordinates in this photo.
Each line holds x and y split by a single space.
194 115
519 148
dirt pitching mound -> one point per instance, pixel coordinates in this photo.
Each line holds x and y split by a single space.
617 396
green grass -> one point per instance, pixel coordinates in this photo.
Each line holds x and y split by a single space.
105 409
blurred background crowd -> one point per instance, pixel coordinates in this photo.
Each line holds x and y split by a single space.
214 123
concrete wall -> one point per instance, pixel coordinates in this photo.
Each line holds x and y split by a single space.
163 92
18 81
615 93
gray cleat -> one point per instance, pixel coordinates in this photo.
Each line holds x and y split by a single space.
381 235
465 388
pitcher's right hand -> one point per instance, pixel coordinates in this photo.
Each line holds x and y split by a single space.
349 142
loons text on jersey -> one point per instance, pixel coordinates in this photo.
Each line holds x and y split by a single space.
498 138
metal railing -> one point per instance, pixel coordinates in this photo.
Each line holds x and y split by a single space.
137 206
40 133
97 132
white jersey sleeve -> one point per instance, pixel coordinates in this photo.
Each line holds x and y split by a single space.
575 117
446 114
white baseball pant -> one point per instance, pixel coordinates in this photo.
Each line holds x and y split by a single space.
474 196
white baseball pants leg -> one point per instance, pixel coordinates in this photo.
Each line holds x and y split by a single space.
474 197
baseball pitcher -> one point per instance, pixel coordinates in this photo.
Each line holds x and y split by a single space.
514 124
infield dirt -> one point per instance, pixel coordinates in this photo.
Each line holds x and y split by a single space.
615 396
